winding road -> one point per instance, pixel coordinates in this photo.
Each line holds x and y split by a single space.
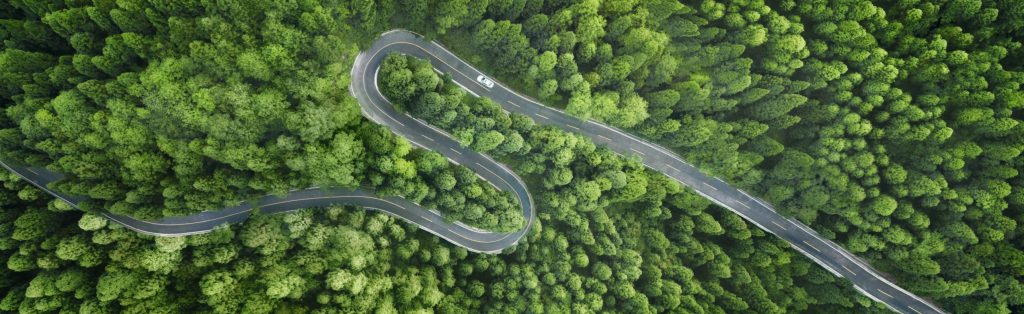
377 108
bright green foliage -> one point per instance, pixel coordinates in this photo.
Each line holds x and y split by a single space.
355 260
893 127
624 222
453 190
884 125
203 112
155 111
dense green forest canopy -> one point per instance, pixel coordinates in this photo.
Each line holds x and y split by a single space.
197 113
892 127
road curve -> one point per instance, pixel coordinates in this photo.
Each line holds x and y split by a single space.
375 107
805 240
459 234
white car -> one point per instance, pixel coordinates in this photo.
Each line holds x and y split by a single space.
485 81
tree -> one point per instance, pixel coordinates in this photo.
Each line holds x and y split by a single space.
505 41
487 141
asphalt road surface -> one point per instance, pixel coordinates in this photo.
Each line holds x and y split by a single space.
374 106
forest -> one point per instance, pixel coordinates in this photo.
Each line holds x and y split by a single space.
892 127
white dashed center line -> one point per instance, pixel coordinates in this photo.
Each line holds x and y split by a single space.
847 269
883 292
811 245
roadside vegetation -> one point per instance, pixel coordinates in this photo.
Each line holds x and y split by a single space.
892 127
202 109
